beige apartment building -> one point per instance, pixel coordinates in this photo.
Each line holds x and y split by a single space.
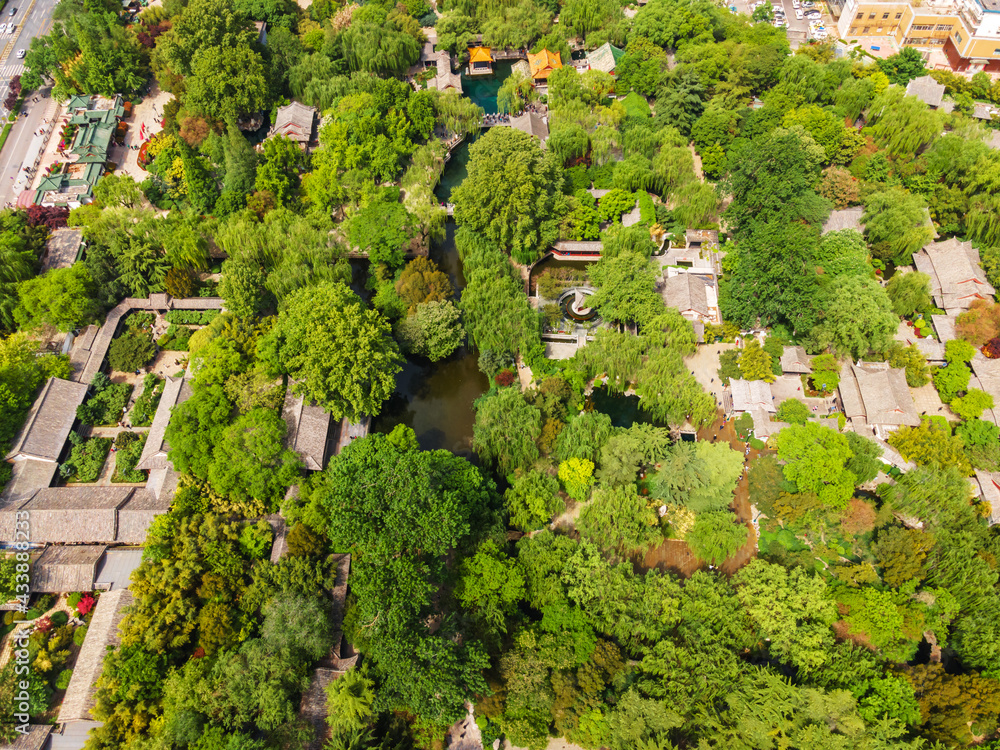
968 31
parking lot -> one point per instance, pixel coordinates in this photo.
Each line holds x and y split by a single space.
793 23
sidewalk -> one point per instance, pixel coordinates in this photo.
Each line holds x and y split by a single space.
146 118
34 153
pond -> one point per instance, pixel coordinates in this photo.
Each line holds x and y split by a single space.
455 171
483 89
435 398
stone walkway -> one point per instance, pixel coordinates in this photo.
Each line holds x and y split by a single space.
148 112
704 365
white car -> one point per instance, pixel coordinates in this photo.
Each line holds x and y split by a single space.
798 15
796 4
813 15
20 53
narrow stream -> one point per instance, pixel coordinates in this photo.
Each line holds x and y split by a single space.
435 398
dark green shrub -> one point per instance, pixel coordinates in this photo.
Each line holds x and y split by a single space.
79 634
59 618
145 406
106 404
128 450
86 460
130 352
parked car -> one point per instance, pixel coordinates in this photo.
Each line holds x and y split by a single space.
796 4
798 15
20 53
13 11
813 15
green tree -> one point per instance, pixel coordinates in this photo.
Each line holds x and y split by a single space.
421 281
972 404
793 411
909 293
340 354
583 436
931 443
617 519
716 536
506 429
350 702
577 475
859 317
791 609
626 289
250 462
382 229
815 459
896 225
825 373
532 499
952 380
958 350
227 83
904 66
513 194
864 462
130 351
118 190
64 298
755 363
242 287
912 359
901 553
491 586
278 171
434 330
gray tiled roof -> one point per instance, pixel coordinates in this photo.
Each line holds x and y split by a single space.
687 292
308 426
87 514
927 90
296 121
845 218
989 490
101 633
531 123
49 421
63 569
27 478
956 275
751 394
138 513
35 739
878 393
795 360
82 514
154 453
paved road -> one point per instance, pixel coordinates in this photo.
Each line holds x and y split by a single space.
33 19
20 136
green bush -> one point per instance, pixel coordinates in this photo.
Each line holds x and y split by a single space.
79 634
73 599
128 449
45 601
59 618
145 406
130 352
139 320
107 404
62 681
86 460
191 317
32 614
175 339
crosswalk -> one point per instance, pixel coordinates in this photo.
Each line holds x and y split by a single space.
9 71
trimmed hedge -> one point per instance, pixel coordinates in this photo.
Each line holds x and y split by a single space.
191 317
86 459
